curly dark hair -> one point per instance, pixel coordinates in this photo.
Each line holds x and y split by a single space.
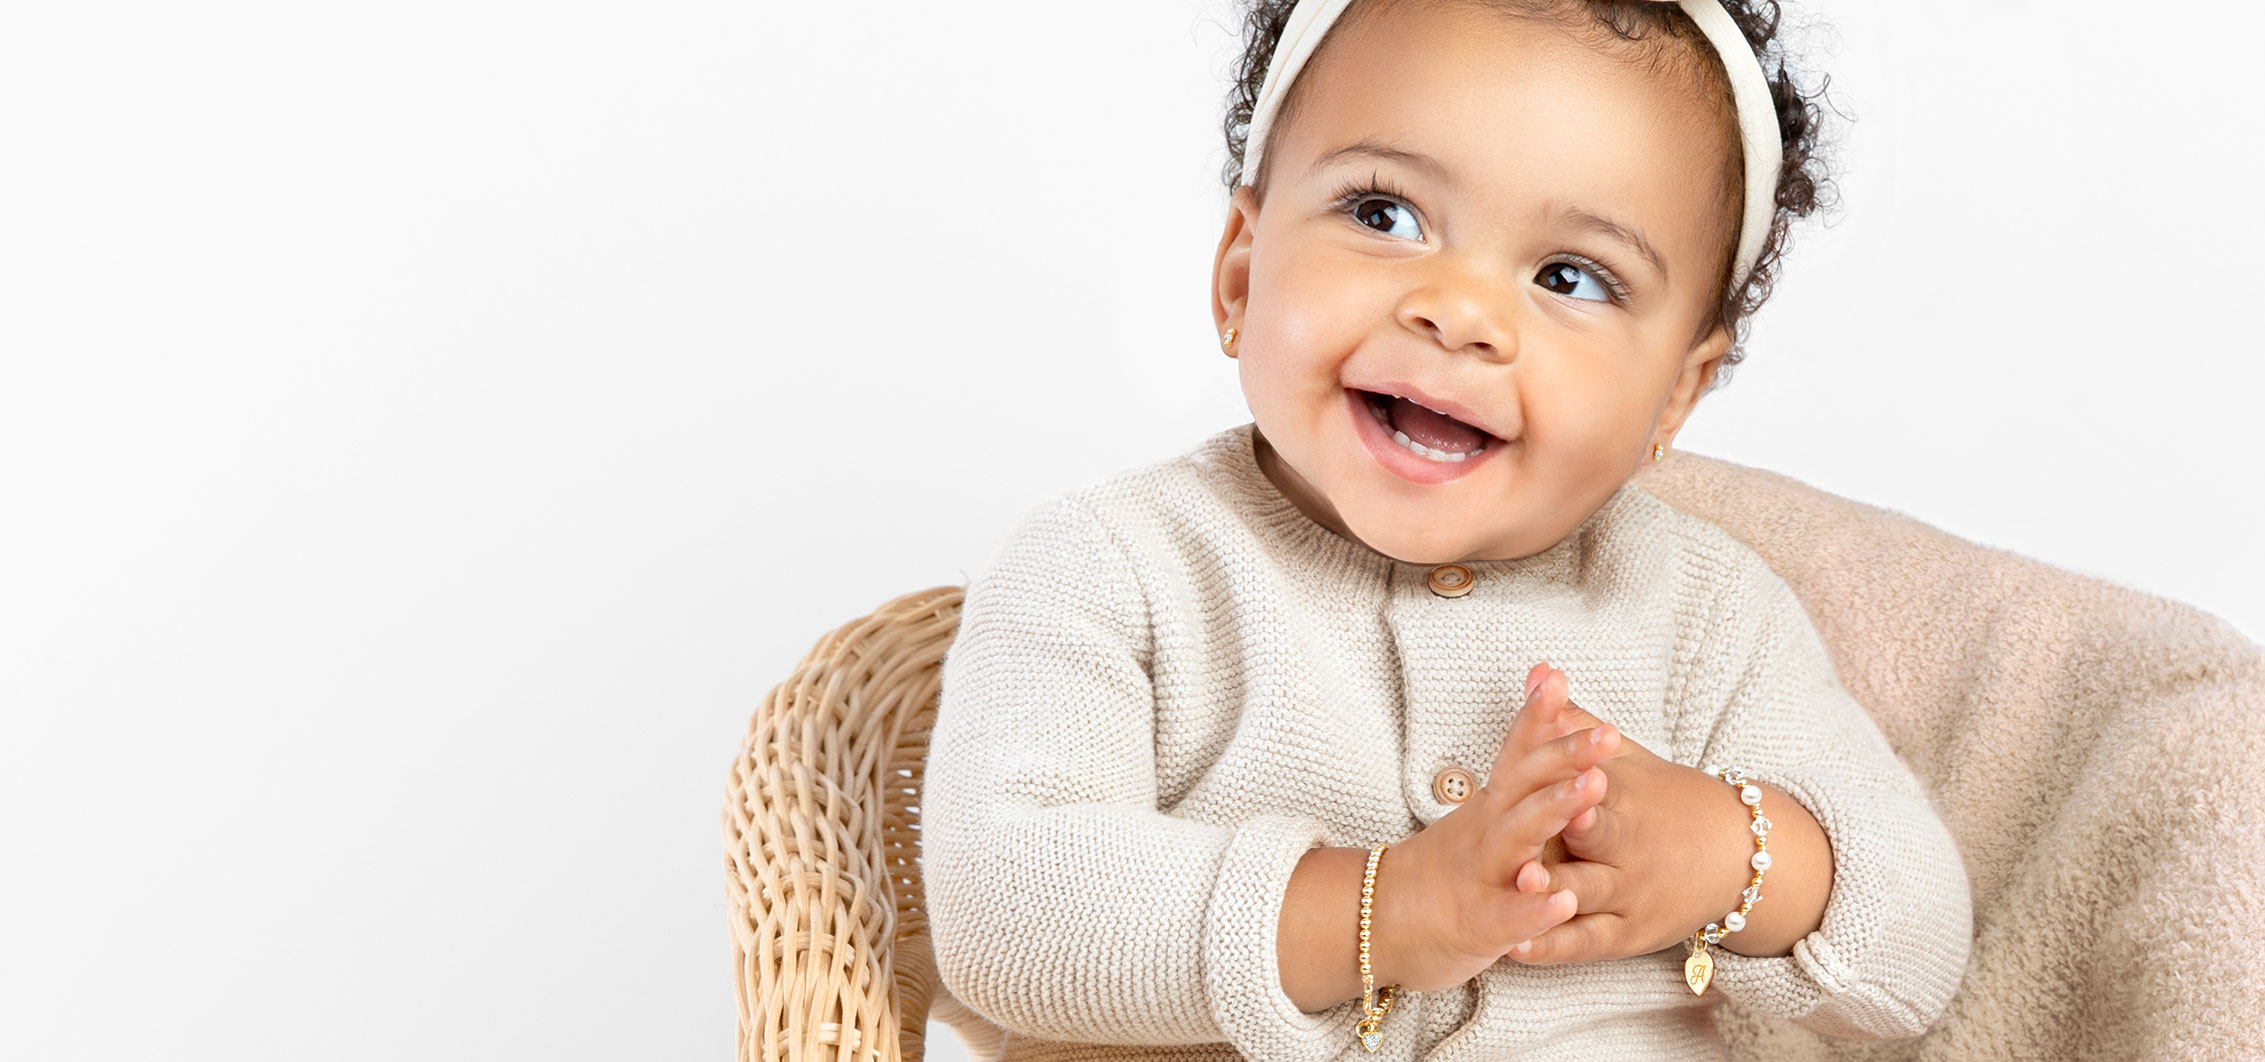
1803 185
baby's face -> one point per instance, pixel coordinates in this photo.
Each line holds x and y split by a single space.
1427 232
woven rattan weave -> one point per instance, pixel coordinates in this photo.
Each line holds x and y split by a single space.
821 840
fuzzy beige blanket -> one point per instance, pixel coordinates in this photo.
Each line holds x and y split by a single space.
2098 752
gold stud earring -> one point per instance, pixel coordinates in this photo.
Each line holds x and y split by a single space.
1658 449
1227 341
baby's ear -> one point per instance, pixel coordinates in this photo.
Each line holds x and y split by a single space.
1230 269
1699 366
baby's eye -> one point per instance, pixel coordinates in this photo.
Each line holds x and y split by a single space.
1388 216
1566 278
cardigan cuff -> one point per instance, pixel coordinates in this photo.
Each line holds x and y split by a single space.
1241 957
1813 988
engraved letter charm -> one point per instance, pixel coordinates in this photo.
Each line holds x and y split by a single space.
1697 971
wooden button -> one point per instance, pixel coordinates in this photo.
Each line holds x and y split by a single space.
1451 580
1453 785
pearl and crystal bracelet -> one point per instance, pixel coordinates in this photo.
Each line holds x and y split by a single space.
1699 968
1371 1012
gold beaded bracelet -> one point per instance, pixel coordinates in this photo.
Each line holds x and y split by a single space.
1371 996
1699 968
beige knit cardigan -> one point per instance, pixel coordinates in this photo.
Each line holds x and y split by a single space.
1170 684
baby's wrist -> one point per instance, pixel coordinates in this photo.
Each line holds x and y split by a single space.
1796 881
1748 842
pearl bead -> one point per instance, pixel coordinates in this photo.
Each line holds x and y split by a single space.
1752 795
1761 861
1734 921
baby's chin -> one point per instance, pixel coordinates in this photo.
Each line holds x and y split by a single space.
1443 542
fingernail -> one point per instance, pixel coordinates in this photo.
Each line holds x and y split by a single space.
1524 948
1596 735
1563 901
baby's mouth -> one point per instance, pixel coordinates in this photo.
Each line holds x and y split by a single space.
1429 434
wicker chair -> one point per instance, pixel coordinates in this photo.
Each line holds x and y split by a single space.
821 825
830 941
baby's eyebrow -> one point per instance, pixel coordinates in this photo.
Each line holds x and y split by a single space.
1586 221
1373 149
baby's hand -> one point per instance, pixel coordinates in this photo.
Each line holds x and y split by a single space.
1448 900
1648 864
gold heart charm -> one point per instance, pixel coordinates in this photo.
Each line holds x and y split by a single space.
1697 971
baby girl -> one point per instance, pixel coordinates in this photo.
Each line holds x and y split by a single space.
1271 750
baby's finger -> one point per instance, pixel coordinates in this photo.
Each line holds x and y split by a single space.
1546 696
1534 724
1538 816
1566 715
1558 759
1596 884
1561 715
1581 939
1574 717
1541 719
1599 834
1524 916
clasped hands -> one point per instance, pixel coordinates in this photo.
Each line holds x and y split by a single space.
1580 845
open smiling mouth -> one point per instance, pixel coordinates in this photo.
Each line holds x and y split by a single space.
1427 433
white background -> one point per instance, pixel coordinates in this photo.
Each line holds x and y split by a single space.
428 429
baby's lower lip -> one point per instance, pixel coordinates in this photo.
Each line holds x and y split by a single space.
1399 460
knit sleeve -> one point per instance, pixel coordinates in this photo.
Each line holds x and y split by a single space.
1063 904
1893 945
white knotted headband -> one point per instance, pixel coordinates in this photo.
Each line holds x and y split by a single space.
1749 90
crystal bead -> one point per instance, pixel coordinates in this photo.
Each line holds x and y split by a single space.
1752 895
1760 826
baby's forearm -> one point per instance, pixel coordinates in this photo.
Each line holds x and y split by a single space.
1795 887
